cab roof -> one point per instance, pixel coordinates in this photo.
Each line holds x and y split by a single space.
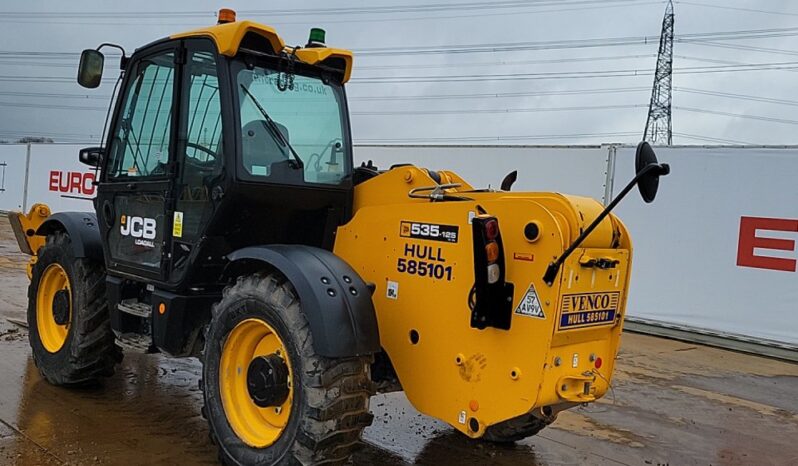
228 38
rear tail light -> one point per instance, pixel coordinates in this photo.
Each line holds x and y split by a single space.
491 297
491 229
492 251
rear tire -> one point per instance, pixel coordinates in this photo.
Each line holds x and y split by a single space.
83 349
328 406
515 429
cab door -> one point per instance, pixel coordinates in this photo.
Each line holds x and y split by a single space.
133 196
200 161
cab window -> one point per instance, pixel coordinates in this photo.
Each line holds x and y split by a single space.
200 156
140 145
309 113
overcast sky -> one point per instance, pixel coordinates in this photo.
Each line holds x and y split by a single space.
602 109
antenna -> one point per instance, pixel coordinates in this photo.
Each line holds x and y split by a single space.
658 125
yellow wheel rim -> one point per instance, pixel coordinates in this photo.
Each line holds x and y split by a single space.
52 335
257 427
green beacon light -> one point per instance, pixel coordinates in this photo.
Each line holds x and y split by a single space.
316 38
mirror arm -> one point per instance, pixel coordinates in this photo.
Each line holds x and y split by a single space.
123 60
554 267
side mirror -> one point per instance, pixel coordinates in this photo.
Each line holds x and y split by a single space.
91 156
90 69
649 179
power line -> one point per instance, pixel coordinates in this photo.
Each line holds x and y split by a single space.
494 77
494 138
701 38
506 62
739 115
743 47
500 110
575 43
384 9
571 74
747 10
584 6
55 95
500 94
51 106
32 63
711 139
737 96
468 96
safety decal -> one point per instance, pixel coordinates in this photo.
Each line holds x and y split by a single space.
177 225
392 291
588 309
530 304
432 231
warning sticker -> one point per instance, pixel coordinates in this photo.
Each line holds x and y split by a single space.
530 304
177 225
392 290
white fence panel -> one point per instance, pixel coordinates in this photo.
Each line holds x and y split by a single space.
571 170
702 254
58 179
12 176
716 250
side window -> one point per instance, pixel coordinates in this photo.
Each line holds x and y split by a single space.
141 139
204 132
201 158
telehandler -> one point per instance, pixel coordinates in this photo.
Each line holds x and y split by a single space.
231 225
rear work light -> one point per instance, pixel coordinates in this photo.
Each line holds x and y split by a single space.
491 297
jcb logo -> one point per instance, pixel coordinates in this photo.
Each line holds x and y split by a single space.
137 227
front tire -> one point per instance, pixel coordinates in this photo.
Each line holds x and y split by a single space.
68 323
312 412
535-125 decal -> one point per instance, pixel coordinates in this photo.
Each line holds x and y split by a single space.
431 231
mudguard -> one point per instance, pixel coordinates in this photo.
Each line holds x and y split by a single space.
336 301
82 229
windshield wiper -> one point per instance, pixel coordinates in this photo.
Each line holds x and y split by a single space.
274 129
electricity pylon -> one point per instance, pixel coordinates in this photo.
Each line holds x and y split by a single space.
658 125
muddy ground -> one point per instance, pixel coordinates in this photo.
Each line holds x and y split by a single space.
673 403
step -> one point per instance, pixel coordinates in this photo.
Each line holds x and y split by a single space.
136 308
135 343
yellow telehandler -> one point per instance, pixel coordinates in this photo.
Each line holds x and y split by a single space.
231 224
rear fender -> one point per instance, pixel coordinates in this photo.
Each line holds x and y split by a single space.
336 301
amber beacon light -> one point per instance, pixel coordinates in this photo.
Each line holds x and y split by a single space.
226 15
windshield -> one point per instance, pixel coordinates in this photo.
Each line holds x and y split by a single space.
309 117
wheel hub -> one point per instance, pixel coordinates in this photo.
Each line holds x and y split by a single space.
61 307
267 381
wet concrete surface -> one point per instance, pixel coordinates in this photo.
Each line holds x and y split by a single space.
673 403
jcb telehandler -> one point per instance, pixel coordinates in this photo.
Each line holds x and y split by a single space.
231 225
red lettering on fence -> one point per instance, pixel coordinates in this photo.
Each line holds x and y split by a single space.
72 182
749 240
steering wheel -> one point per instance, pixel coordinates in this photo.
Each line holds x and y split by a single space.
200 163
